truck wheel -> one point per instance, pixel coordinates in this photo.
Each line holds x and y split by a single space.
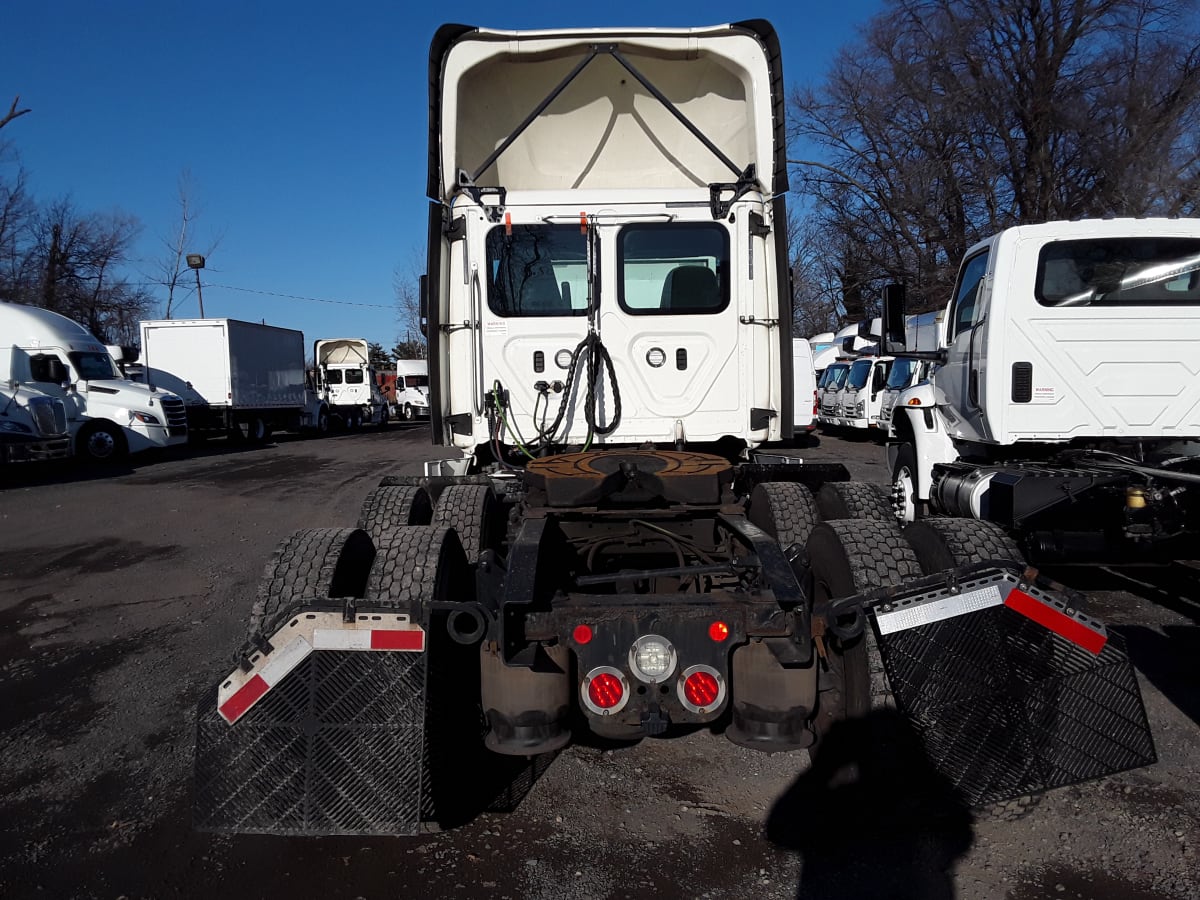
387 508
946 543
855 500
323 421
905 505
783 509
409 415
415 566
848 557
470 509
101 442
312 564
383 418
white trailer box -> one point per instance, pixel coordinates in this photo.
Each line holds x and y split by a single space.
241 377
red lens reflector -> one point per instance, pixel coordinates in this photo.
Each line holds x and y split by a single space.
701 689
718 631
605 690
582 634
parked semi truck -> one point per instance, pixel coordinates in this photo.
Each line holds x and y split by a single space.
33 426
108 415
1064 407
921 333
345 382
241 379
609 553
412 389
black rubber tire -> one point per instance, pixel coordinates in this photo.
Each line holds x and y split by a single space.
785 510
390 507
945 543
101 442
904 483
322 421
471 510
314 563
415 565
855 500
848 557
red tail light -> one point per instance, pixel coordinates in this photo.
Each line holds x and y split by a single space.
718 631
582 634
605 690
702 689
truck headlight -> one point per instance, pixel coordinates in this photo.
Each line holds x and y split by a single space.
145 418
15 428
860 408
652 658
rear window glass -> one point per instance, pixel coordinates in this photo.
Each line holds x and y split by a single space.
1154 271
674 269
537 270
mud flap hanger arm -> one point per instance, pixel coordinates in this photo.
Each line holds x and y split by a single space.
747 178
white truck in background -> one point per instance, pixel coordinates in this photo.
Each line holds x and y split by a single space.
1065 406
108 415
33 426
922 333
345 382
411 395
862 396
804 388
241 379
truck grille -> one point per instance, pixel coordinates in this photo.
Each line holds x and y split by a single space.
49 415
176 414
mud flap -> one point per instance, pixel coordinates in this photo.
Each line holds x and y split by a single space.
1012 689
323 735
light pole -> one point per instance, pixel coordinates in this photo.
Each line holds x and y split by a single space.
196 261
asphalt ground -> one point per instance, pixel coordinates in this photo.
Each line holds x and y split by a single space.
125 591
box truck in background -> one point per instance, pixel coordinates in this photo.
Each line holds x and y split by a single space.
242 379
107 414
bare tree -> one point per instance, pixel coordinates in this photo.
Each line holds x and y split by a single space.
950 119
406 287
72 265
13 112
171 269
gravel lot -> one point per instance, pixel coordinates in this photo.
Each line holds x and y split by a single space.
124 592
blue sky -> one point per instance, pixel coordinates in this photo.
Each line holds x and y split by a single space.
302 125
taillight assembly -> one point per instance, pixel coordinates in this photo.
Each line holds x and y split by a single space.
701 689
605 690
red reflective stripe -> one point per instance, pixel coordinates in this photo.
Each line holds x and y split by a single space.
397 640
247 695
1060 623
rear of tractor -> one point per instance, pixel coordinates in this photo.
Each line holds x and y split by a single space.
424 666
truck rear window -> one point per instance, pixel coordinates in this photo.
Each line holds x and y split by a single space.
673 269
537 270
1146 271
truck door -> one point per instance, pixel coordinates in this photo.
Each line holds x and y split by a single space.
960 382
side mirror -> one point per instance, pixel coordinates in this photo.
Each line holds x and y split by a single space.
848 346
894 300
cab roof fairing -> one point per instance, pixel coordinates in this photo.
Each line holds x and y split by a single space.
725 79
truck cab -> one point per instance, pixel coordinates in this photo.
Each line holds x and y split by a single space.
862 397
107 414
347 383
33 426
411 392
1064 404
829 393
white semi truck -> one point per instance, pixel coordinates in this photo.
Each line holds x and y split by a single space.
241 379
33 426
345 381
1065 404
107 414
922 333
412 389
609 347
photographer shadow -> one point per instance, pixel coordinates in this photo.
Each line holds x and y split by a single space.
872 817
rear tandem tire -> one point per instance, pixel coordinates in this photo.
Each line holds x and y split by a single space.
393 506
848 557
855 500
471 510
312 564
783 509
946 543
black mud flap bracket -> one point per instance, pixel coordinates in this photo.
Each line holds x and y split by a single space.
1012 689
322 735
